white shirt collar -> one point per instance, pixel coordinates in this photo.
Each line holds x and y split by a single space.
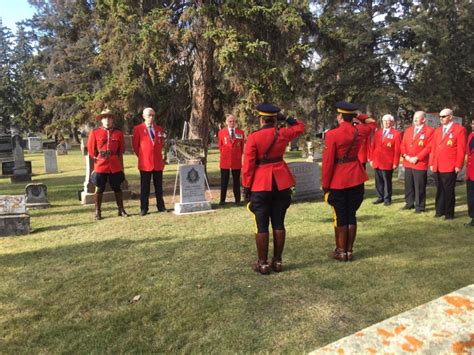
447 127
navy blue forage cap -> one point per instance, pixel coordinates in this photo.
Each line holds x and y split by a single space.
346 107
267 110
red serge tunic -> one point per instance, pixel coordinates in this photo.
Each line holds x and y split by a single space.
106 140
336 143
447 153
385 152
417 146
470 158
259 177
148 151
231 150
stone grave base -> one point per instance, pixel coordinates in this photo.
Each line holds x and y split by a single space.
442 326
38 206
307 196
192 207
20 178
14 225
87 198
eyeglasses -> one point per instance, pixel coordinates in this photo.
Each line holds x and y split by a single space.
444 116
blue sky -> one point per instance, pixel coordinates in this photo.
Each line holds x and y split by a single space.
12 11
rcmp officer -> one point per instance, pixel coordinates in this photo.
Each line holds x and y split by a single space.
446 160
147 143
415 151
343 176
231 147
384 158
470 175
106 147
267 181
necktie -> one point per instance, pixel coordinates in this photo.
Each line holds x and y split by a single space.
417 129
445 129
385 132
152 135
232 134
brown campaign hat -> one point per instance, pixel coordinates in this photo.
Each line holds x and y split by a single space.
105 113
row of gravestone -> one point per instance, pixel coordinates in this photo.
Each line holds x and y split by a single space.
13 163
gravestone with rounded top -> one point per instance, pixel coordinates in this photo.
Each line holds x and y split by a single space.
37 196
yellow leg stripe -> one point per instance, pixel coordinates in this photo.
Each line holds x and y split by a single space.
254 217
334 216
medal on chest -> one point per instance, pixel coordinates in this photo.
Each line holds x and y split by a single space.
238 136
389 145
449 143
225 140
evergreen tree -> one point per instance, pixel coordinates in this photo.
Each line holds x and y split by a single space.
7 91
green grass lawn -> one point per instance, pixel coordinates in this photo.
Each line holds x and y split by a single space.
67 287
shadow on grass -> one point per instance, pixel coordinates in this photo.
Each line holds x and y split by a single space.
54 228
62 253
79 210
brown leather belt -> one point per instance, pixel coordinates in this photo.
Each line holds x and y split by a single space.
268 160
346 160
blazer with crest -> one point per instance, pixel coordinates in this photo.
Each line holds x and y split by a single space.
385 152
447 152
148 151
231 150
417 146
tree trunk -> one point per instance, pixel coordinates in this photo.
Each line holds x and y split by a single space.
201 86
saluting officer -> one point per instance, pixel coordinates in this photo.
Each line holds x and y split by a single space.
446 161
343 176
231 148
415 150
106 147
267 181
147 143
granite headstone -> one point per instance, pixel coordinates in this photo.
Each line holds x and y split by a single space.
37 196
13 217
192 190
6 148
50 161
35 144
307 176
20 173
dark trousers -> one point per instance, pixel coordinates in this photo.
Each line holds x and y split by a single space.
345 203
270 206
470 197
383 184
415 188
145 178
445 193
225 174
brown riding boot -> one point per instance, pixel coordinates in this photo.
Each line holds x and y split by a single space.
261 266
351 236
98 205
278 246
340 252
119 199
